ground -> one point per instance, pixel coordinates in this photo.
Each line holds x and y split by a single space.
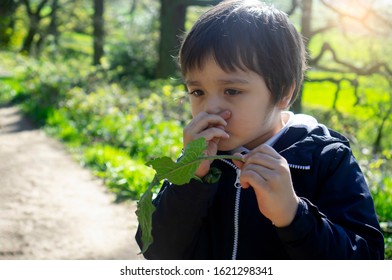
51 207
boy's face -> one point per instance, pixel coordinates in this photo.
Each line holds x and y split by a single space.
253 119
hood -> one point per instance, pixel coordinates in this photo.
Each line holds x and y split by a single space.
303 136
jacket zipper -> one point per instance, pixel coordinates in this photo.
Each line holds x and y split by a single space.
300 167
238 187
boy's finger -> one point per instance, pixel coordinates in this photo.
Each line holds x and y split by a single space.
265 149
262 159
204 121
238 163
213 132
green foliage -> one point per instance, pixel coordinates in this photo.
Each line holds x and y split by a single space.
133 60
59 125
114 116
74 44
126 177
9 85
8 90
133 54
44 85
377 170
388 244
114 127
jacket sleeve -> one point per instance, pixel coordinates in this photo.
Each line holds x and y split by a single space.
176 222
340 222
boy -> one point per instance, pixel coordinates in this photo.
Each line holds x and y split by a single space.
301 193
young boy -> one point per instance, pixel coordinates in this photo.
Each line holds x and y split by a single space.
301 195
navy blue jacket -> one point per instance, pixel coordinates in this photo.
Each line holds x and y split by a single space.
335 219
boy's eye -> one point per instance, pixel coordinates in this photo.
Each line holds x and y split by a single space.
232 92
196 92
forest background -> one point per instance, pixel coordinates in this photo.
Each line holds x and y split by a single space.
100 76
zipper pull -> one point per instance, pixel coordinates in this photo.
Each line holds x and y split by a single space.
237 183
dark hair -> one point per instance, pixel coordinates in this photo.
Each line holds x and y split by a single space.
248 35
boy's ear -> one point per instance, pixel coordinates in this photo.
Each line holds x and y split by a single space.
285 101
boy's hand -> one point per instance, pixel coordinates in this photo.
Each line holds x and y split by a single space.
212 128
269 175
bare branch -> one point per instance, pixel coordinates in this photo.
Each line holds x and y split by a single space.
364 70
294 5
362 19
324 28
337 82
28 7
37 12
41 5
133 7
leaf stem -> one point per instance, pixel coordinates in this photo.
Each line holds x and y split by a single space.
239 158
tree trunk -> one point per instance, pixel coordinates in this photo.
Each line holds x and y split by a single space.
377 147
35 18
306 31
172 20
99 32
7 11
29 39
297 105
53 27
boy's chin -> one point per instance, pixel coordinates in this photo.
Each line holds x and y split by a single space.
225 146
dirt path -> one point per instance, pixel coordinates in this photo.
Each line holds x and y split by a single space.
50 207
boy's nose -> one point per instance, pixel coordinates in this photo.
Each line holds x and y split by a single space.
213 105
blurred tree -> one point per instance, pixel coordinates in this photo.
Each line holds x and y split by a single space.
51 29
7 21
345 16
99 32
37 32
53 25
34 17
366 19
172 26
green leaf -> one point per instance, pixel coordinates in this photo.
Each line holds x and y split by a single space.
144 212
183 171
178 173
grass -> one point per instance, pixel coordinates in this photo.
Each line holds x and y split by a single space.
77 43
372 89
126 177
374 103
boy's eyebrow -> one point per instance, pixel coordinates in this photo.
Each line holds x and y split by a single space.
234 81
192 82
221 81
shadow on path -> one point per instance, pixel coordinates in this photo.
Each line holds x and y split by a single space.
12 121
